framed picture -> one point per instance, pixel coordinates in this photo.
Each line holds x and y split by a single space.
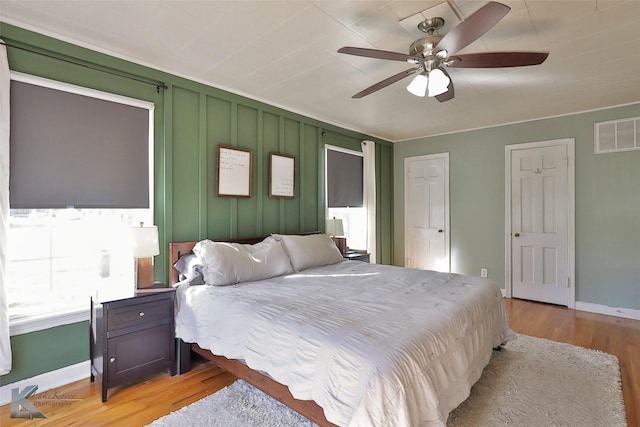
282 176
234 172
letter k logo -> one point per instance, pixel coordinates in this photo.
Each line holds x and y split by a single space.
21 407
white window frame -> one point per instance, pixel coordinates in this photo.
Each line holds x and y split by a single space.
38 321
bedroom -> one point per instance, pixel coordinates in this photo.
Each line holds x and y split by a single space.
606 222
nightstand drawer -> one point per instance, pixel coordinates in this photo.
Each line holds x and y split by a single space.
140 315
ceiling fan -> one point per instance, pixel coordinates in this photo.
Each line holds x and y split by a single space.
434 52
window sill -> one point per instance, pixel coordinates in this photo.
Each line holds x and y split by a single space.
37 322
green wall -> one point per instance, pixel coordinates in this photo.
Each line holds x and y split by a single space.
607 201
48 350
191 120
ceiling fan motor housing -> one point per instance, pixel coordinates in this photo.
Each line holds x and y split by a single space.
425 46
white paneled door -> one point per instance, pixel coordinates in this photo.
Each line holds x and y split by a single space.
539 235
427 212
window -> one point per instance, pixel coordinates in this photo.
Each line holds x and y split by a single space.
71 146
58 257
344 176
81 174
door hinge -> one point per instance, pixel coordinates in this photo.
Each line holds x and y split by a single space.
568 282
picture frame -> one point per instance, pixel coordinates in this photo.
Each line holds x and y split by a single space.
234 172
282 176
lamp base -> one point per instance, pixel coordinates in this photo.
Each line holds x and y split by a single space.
144 273
341 243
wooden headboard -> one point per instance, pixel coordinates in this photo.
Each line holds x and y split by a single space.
178 249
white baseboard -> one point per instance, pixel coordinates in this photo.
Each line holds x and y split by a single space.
628 313
48 380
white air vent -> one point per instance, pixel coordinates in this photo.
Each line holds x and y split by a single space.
617 135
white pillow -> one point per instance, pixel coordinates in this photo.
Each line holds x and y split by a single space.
189 268
313 250
230 263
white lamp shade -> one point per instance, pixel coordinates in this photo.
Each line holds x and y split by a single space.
438 82
145 241
334 227
418 85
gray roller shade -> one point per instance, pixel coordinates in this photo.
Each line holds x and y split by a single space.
75 150
344 179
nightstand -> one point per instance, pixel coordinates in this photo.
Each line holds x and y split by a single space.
352 255
131 336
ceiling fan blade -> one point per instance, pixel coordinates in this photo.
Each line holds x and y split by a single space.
380 54
448 94
497 59
472 28
384 83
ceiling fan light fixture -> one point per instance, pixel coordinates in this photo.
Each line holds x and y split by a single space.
438 82
418 85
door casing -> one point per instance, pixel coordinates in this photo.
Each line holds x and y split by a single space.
569 143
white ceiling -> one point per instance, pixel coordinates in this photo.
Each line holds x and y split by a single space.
284 53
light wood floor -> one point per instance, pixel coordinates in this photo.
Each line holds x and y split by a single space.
79 404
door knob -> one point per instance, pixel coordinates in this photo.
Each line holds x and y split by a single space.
516 235
441 231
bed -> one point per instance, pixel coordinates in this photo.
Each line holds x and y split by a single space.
341 342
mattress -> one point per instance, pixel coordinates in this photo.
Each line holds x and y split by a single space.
373 345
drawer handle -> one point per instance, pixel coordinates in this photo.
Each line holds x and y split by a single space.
141 314
113 359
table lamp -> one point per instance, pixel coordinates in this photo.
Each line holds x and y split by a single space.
145 247
334 228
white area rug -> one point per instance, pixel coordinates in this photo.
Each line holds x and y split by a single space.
531 382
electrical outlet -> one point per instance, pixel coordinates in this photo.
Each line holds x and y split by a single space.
483 272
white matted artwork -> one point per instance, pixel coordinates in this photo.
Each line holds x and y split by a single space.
282 177
234 171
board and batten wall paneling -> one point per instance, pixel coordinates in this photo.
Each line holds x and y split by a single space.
198 133
308 168
219 132
185 156
271 132
384 197
290 215
246 208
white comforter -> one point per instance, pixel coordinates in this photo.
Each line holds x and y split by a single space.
373 345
